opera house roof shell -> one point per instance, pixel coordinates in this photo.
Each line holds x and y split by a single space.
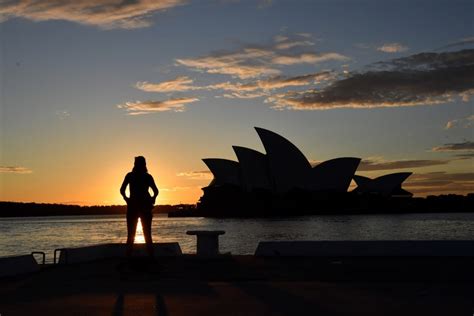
389 184
284 167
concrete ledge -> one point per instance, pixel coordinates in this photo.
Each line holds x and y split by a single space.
205 232
15 265
95 252
436 248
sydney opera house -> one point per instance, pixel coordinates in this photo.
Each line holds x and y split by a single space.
282 179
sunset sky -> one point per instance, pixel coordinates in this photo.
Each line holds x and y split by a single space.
87 85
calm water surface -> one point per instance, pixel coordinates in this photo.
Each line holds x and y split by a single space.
23 235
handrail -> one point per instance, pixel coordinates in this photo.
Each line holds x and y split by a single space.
39 253
60 250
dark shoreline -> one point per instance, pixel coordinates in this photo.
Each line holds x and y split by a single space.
348 204
19 209
450 203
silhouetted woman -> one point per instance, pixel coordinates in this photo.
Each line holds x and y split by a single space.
140 203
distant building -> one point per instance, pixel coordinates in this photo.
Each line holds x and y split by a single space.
283 171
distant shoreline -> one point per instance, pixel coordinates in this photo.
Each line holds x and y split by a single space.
21 209
450 203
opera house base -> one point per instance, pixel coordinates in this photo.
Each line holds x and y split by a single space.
231 201
247 285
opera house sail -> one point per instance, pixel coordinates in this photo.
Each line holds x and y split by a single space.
254 169
386 185
333 175
283 178
288 165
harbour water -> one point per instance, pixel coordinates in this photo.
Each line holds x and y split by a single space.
24 235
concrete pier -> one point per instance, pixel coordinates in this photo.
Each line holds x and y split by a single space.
114 250
367 248
246 285
17 265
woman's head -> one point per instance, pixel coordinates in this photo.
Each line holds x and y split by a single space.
140 164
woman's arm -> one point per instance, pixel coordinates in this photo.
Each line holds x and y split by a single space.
154 189
123 187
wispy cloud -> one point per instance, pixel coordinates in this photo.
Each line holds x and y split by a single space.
247 63
392 48
468 155
243 95
181 83
290 41
106 14
421 79
196 175
456 147
287 44
15 169
256 71
146 107
252 89
62 115
253 61
461 42
440 182
276 82
307 58
463 122
380 164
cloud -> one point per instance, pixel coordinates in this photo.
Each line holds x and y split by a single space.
392 48
181 83
263 87
62 115
284 42
291 44
280 38
379 163
440 182
287 42
376 164
247 63
276 82
240 90
307 58
464 146
196 175
463 122
461 42
244 95
421 79
253 61
146 107
465 155
107 14
430 61
15 169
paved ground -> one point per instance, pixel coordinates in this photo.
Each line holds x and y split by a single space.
245 285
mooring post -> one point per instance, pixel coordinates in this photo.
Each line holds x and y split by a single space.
207 241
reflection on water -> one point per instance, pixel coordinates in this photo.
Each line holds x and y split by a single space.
139 238
23 235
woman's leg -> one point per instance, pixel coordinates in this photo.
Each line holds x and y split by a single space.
146 224
132 219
